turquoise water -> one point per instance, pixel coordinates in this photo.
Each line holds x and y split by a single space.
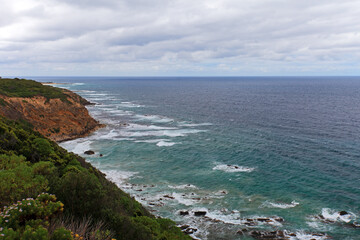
236 148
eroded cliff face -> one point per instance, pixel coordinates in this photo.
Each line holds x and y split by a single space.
53 118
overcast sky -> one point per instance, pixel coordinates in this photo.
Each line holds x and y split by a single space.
179 37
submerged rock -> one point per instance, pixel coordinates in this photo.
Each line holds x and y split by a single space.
89 152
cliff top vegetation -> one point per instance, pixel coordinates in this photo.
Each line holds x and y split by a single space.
28 88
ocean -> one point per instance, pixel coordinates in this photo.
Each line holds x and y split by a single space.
261 153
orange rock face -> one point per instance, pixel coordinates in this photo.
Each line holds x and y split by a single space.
53 118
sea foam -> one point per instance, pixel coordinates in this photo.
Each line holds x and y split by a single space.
232 168
280 205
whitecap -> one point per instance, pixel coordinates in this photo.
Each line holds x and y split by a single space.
232 218
130 105
168 133
301 235
78 146
153 118
159 142
232 168
334 216
185 199
117 176
165 144
280 205
186 124
140 127
112 135
96 94
183 186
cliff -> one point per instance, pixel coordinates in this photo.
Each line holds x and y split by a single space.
56 113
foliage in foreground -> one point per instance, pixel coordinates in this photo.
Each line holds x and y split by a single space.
31 164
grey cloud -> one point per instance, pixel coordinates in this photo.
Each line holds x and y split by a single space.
181 34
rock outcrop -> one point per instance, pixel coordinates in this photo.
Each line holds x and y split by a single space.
54 118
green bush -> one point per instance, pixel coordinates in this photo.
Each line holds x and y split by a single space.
20 180
61 234
44 166
29 88
28 219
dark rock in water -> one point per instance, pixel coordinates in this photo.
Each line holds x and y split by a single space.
242 231
183 227
250 223
101 155
89 152
167 196
342 213
184 213
263 219
356 225
278 235
199 213
278 219
273 235
190 230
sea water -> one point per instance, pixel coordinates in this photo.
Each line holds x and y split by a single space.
237 148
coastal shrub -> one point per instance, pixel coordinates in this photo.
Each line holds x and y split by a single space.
42 146
45 166
20 180
29 88
62 234
29 218
87 189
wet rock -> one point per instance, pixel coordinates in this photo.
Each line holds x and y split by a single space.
167 196
139 190
187 229
183 227
190 230
184 213
199 213
89 152
273 235
356 225
263 219
278 219
251 224
101 155
242 232
342 213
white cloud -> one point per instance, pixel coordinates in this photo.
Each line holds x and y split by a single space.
170 37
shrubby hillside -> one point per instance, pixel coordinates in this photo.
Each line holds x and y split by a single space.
49 193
